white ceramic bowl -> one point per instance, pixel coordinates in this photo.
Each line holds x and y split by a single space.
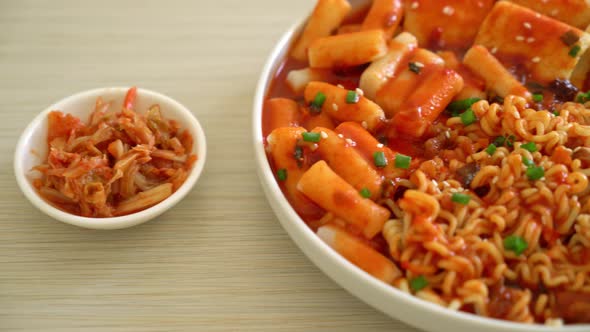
386 298
31 151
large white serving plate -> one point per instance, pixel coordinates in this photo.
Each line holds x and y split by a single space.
386 298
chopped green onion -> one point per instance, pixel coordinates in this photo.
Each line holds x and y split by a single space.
530 146
318 102
491 149
575 50
461 105
527 162
516 244
468 117
499 141
535 172
461 198
402 161
311 137
379 159
282 174
418 283
538 97
352 97
366 193
556 113
415 67
510 141
583 97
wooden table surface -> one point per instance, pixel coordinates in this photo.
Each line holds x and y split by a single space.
219 261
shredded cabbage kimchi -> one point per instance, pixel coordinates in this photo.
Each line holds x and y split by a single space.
117 163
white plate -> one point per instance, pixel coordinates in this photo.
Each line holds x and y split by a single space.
386 298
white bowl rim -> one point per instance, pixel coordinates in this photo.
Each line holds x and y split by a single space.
305 238
120 221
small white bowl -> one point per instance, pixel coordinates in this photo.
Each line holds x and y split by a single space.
32 150
386 298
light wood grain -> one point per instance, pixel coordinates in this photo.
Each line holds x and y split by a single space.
219 261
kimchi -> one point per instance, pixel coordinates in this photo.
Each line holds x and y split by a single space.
119 162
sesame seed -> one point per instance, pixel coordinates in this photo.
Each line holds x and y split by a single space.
323 134
448 10
415 5
519 38
446 184
494 50
435 183
419 64
530 40
379 145
364 124
314 147
360 92
554 12
340 135
527 25
447 134
335 107
536 59
349 141
340 86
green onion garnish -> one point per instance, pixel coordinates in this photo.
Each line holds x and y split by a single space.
538 97
318 102
530 146
352 97
414 67
535 172
366 193
282 174
461 198
515 244
499 141
461 105
575 50
527 162
510 141
491 149
468 117
311 137
379 159
402 161
418 283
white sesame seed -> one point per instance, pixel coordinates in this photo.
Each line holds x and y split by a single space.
415 5
448 10
494 50
360 92
340 135
435 183
519 38
527 25
314 147
419 64
446 184
447 134
554 12
335 107
364 124
340 86
349 141
495 179
575 197
323 134
530 40
537 15
536 59
379 145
